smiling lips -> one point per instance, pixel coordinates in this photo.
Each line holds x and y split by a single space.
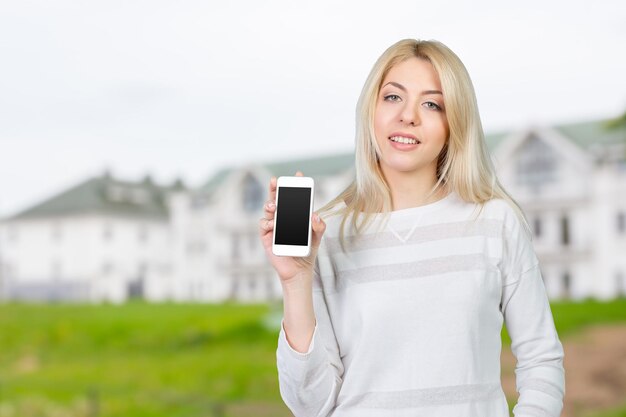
405 140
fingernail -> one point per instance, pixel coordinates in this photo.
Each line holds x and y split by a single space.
316 218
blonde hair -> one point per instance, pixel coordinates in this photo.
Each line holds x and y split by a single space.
464 164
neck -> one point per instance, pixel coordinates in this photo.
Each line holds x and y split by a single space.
410 189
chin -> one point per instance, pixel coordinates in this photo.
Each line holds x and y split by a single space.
405 163
401 166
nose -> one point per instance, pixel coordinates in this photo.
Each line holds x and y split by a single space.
410 115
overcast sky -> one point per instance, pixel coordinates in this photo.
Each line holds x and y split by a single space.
183 88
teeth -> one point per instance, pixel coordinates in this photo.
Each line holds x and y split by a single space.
401 139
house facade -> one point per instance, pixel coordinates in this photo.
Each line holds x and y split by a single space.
110 240
97 241
571 184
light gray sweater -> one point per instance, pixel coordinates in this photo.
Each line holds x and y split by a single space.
408 321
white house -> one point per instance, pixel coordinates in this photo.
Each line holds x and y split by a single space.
571 182
96 241
221 257
110 240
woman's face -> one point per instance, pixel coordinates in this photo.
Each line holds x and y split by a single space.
410 122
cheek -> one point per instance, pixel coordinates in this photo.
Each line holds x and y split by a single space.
446 131
378 125
445 128
383 118
438 127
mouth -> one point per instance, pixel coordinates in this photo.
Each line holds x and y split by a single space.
404 140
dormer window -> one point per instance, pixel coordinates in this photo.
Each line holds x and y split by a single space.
139 196
115 193
536 163
123 194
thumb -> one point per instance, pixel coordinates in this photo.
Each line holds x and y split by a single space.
319 227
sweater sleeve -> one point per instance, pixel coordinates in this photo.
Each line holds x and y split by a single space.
540 376
310 382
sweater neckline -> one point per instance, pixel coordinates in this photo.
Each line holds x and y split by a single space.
448 200
402 223
424 208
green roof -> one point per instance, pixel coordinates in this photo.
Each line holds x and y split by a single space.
597 132
215 180
584 134
105 195
318 166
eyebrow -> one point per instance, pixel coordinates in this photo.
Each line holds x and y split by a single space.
401 87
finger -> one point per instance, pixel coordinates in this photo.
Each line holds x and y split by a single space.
319 226
270 208
299 174
266 225
272 193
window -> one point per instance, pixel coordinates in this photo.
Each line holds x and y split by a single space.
537 226
567 283
536 163
235 286
139 196
621 222
124 194
565 237
135 288
115 193
620 284
252 285
252 194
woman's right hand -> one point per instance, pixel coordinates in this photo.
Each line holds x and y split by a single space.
290 269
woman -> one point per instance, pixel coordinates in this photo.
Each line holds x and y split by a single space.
399 308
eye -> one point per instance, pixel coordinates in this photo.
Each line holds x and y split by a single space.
392 97
432 106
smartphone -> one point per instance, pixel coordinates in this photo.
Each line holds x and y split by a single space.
292 219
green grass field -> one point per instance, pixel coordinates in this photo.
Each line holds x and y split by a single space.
170 360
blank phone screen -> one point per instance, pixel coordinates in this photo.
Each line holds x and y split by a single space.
292 216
